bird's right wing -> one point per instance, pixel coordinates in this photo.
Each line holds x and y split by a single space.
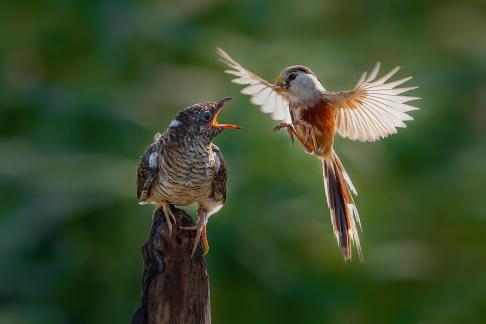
221 176
148 168
374 109
262 92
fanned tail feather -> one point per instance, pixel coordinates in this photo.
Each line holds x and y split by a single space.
344 215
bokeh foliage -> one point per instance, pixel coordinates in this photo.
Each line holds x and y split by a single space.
84 85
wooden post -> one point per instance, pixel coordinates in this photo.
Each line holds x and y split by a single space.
175 288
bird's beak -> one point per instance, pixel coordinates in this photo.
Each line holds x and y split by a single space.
219 107
280 85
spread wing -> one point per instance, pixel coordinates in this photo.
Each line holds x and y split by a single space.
148 167
261 91
219 181
374 108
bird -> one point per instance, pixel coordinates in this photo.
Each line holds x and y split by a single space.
372 110
183 166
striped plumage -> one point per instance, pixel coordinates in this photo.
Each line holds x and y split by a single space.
183 166
374 109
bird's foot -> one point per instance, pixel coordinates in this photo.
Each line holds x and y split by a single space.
200 229
169 214
289 128
308 129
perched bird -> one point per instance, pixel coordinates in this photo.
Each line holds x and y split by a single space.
183 167
371 111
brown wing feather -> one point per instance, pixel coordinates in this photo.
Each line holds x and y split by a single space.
148 168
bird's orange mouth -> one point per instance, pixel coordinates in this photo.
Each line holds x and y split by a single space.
219 107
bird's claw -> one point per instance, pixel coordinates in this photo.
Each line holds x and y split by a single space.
169 217
200 236
200 229
289 130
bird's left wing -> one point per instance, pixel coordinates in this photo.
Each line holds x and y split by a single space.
374 108
262 92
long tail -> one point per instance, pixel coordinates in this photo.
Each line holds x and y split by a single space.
344 214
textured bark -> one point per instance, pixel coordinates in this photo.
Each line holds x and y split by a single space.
175 287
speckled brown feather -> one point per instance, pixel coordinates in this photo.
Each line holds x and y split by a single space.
220 178
183 167
145 173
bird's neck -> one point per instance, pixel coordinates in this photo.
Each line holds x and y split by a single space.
181 140
305 98
306 91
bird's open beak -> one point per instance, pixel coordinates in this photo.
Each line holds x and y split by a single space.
280 85
219 107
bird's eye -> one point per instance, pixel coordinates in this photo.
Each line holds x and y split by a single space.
206 116
292 76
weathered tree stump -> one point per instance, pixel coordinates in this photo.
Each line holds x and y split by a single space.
175 288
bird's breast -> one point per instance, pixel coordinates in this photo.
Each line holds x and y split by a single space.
185 176
322 117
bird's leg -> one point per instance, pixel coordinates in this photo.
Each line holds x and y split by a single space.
200 227
304 140
308 128
168 216
309 133
204 240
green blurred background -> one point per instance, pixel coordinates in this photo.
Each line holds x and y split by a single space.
84 85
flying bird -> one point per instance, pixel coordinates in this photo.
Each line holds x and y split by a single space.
183 166
373 110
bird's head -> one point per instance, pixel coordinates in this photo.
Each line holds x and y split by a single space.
298 81
201 119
